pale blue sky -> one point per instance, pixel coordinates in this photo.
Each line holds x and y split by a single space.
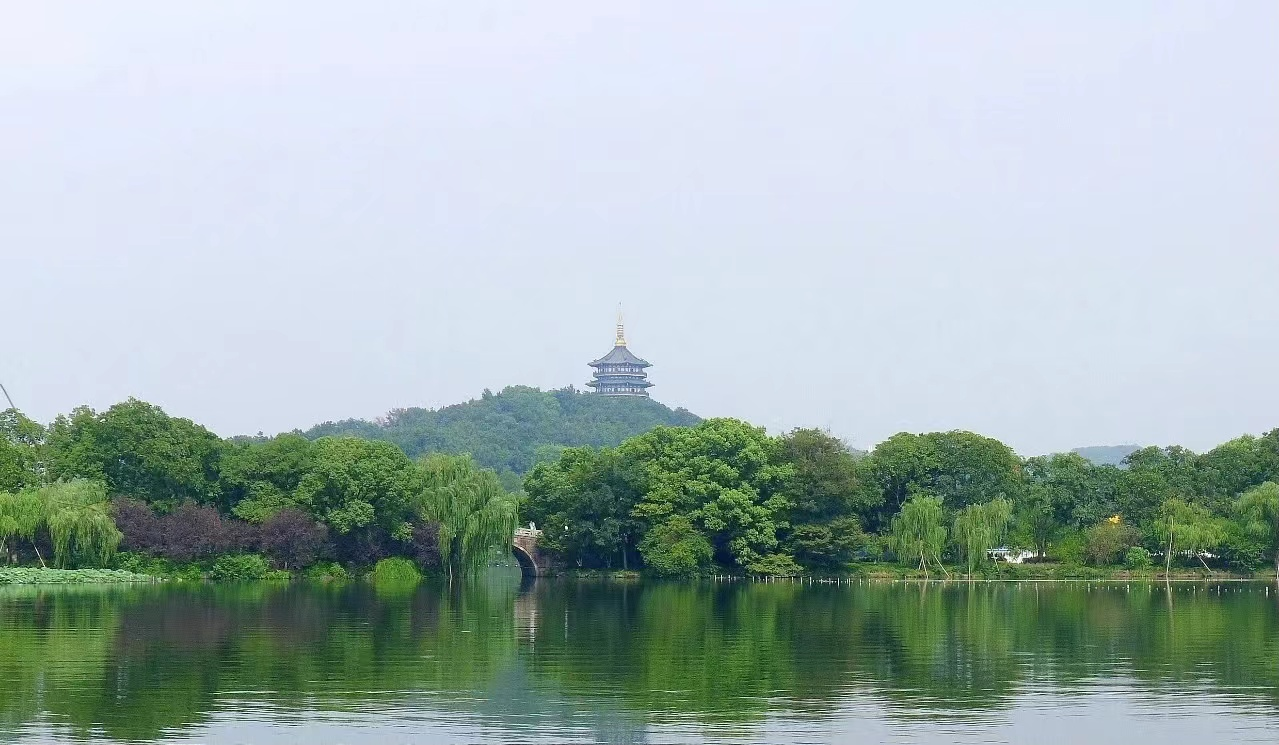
1052 223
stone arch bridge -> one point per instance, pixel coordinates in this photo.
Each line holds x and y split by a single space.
533 563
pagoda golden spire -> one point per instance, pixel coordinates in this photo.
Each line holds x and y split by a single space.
621 333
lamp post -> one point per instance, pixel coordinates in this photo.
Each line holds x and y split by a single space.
6 396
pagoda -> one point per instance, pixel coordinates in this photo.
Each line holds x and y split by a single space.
620 373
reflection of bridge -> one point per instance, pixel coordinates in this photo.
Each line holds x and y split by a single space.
524 546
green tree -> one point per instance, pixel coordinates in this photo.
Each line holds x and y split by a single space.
1154 476
1074 491
22 514
828 500
723 475
359 483
1259 510
583 502
514 429
1063 492
980 527
1137 558
960 468
675 548
1108 541
823 482
21 441
474 512
1183 526
899 466
1038 523
138 451
830 546
260 478
77 515
919 532
974 469
1234 467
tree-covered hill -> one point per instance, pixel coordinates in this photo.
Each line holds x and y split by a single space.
512 430
1107 455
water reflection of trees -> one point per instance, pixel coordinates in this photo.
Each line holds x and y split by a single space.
735 651
152 661
137 664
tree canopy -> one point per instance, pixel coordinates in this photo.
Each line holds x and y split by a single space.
138 450
168 488
514 429
475 514
724 494
721 495
1259 508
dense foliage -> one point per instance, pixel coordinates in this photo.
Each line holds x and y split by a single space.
683 499
474 512
291 537
514 429
724 495
20 439
72 516
167 490
396 571
240 568
1106 455
718 496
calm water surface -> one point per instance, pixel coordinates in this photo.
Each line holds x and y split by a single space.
565 661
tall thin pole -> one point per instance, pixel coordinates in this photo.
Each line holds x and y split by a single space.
6 396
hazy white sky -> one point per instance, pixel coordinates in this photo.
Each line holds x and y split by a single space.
1052 223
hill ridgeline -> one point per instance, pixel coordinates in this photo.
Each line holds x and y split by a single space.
513 429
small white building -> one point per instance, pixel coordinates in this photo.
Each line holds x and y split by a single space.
1008 555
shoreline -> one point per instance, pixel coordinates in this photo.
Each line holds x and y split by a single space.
48 576
1045 575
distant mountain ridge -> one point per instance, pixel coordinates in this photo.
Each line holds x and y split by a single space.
1107 455
510 431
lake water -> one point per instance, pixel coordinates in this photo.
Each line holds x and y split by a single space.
577 661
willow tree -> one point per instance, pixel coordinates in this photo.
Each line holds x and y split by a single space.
77 515
475 514
1186 527
21 516
8 525
919 532
979 527
1259 508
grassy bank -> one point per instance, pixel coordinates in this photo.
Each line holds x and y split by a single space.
41 576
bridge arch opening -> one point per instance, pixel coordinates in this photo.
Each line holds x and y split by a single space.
527 566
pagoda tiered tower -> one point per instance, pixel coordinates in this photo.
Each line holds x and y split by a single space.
620 373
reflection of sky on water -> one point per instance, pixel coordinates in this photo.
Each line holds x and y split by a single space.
512 712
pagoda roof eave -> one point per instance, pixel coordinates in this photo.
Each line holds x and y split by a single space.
626 384
620 355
